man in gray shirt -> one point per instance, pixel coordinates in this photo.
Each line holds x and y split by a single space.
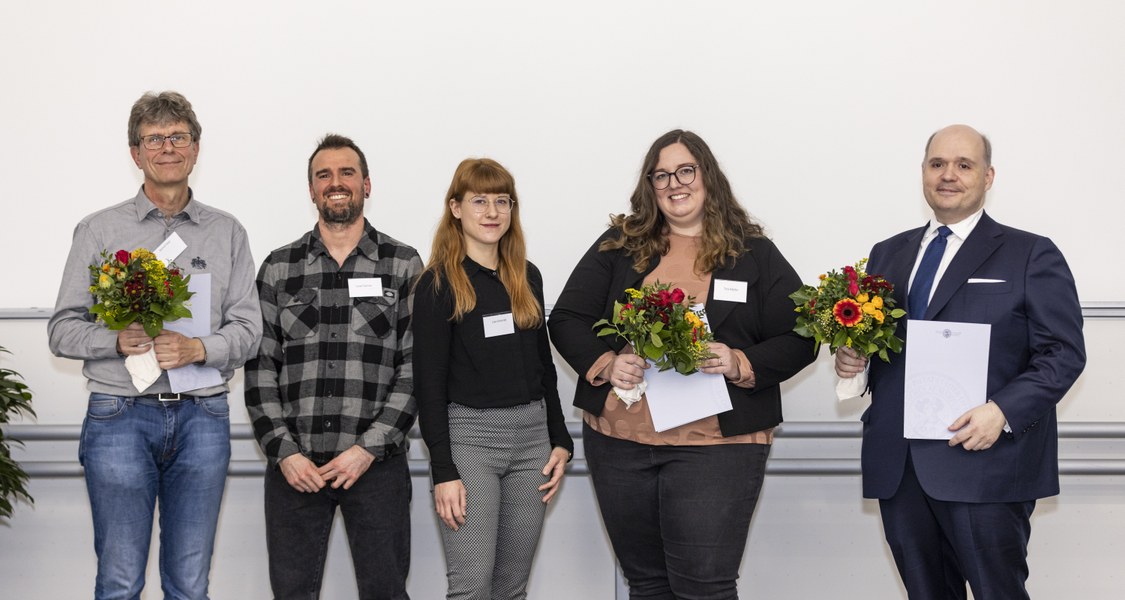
140 446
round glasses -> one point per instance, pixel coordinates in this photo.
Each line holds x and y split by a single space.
662 179
156 142
479 204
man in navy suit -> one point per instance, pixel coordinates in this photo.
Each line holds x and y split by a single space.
960 510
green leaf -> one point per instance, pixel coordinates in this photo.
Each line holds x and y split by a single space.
898 313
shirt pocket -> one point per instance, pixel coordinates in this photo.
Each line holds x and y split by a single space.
301 315
374 316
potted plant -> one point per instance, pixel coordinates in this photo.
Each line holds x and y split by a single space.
15 399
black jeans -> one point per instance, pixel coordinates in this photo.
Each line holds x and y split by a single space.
677 516
376 514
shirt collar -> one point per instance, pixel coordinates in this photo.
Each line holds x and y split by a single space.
961 229
145 206
368 243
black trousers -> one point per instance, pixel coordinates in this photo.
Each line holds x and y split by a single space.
677 516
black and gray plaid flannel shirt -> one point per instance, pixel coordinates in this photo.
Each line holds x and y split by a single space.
334 371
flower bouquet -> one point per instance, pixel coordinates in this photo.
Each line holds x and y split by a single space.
134 287
662 328
850 309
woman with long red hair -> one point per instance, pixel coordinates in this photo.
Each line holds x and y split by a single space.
486 386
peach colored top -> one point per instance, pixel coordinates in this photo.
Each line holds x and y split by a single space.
635 422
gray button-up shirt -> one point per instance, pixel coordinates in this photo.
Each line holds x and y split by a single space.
216 244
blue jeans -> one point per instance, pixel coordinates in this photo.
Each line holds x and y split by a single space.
376 511
136 451
677 516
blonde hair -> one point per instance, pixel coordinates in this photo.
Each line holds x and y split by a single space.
483 176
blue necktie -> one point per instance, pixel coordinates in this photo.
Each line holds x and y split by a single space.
919 297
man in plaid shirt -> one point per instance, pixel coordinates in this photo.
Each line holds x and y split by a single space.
330 393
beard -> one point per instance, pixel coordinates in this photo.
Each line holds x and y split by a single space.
345 214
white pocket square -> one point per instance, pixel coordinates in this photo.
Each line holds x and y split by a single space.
978 280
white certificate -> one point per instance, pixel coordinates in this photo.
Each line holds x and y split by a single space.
194 377
946 375
675 399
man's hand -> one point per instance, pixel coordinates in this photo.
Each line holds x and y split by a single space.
449 502
301 473
979 428
554 468
133 340
849 363
347 468
176 350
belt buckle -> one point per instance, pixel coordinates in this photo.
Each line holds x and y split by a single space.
168 397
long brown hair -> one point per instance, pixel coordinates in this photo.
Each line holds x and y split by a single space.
483 176
726 224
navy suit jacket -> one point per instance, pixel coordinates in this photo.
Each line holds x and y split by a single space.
1036 353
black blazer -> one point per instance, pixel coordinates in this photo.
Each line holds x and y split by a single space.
762 327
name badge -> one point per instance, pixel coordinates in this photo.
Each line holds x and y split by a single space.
729 290
170 248
499 324
365 287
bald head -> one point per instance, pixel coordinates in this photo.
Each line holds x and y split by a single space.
986 150
956 173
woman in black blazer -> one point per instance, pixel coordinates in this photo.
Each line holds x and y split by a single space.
677 503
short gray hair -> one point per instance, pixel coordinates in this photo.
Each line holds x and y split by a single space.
159 109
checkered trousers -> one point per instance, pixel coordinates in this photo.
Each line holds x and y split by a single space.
334 370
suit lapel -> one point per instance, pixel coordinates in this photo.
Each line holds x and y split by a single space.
900 262
744 268
981 243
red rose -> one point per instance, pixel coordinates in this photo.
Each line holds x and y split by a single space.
677 296
665 298
853 289
122 257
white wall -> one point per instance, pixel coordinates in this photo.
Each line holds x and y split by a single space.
817 111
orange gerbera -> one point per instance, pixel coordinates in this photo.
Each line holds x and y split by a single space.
848 312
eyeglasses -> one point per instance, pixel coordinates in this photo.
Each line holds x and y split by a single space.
156 142
503 204
662 179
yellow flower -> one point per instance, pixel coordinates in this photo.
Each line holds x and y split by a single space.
878 316
877 301
142 254
862 298
822 277
635 294
869 308
690 317
104 281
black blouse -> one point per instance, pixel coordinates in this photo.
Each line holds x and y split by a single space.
456 362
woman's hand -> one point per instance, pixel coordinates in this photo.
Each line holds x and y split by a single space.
723 362
449 502
626 371
554 468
